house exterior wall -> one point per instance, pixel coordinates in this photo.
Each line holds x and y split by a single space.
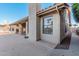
13 27
33 31
64 23
56 28
55 37
21 29
27 28
35 26
62 26
4 28
38 29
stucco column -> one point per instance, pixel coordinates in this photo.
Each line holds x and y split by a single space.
33 8
10 28
20 29
56 28
26 28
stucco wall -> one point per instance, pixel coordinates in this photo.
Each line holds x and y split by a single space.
55 37
56 28
27 28
33 8
14 27
62 26
4 28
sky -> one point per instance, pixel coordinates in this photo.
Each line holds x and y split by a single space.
12 12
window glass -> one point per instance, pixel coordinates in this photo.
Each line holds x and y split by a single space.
48 25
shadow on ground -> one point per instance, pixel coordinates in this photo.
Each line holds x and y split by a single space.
65 43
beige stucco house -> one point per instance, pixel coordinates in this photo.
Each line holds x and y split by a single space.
49 24
4 28
20 26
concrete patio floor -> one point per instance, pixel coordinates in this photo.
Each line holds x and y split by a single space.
17 45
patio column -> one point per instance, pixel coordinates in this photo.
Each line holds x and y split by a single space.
26 28
33 8
10 28
56 28
20 29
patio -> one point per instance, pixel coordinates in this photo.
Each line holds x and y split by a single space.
17 45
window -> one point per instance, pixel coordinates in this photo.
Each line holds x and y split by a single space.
12 29
48 25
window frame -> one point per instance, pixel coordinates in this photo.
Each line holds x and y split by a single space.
51 25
